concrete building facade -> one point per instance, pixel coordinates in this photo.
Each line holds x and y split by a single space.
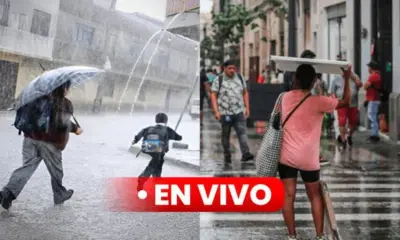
27 31
188 22
52 34
268 39
358 31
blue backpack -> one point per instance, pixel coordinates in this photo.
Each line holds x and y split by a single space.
155 140
34 117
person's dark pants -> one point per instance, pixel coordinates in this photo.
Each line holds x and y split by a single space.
154 168
238 122
202 97
33 152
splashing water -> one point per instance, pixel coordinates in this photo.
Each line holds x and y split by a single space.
134 67
162 31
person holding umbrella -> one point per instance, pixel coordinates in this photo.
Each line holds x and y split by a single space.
44 116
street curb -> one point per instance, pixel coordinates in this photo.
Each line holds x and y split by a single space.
135 149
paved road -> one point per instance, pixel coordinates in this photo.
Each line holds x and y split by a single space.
100 153
364 185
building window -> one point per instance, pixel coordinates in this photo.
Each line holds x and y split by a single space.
251 50
4 12
257 42
337 38
307 23
84 34
41 23
20 21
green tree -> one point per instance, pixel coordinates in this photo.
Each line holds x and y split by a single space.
228 27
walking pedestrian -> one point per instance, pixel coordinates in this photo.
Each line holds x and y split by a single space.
230 101
347 115
43 144
373 88
261 79
204 87
211 75
301 143
156 144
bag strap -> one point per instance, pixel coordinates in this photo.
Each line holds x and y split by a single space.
298 105
220 78
278 103
241 79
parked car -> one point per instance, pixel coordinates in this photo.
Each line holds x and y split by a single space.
194 110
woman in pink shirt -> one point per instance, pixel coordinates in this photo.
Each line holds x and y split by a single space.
301 144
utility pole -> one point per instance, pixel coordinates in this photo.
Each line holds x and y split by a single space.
292 28
100 87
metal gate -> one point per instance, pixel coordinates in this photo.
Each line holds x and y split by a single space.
8 82
382 37
262 100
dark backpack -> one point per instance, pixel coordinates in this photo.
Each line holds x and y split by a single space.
221 78
155 140
34 117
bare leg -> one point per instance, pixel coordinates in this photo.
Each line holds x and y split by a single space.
352 130
317 206
288 206
342 131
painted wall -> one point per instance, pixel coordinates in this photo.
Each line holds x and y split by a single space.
396 46
17 38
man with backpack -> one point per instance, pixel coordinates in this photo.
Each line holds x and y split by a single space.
156 144
46 124
230 102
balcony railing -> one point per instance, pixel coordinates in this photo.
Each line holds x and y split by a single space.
25 43
75 53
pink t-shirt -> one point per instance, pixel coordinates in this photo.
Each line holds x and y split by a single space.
302 132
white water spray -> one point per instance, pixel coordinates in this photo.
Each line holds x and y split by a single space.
134 67
149 62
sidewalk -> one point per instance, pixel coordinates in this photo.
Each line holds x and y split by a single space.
362 156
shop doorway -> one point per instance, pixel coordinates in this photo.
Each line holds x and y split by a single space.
382 39
8 81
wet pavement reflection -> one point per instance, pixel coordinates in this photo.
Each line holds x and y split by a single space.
99 153
364 182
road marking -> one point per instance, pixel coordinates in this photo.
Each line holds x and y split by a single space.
208 218
358 195
324 172
388 204
348 171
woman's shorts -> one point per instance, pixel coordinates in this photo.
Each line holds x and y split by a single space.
290 172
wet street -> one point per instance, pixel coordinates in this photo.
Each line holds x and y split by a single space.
364 183
99 153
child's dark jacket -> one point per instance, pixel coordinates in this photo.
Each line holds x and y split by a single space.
172 135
